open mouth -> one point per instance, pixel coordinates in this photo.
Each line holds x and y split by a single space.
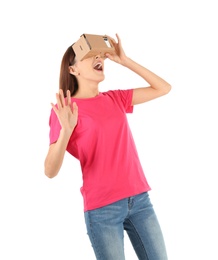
98 66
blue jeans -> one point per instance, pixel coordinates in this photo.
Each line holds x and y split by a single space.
106 225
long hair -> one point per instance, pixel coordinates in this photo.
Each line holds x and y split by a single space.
67 80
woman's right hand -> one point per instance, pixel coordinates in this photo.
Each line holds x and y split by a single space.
66 112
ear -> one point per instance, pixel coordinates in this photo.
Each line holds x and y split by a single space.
73 70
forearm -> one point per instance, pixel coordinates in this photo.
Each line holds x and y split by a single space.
55 156
151 78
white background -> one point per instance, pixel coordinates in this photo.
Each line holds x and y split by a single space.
176 135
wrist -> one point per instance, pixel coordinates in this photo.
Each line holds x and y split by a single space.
126 61
66 132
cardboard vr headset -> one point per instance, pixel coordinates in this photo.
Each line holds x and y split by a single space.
90 45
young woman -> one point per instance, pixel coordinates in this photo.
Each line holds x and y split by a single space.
92 126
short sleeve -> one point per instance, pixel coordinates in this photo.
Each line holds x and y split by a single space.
126 99
55 127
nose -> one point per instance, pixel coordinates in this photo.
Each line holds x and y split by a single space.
98 56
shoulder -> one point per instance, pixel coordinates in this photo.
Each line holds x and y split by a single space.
122 97
119 92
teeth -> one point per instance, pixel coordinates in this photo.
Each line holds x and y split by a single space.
98 65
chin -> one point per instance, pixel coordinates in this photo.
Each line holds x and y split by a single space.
101 78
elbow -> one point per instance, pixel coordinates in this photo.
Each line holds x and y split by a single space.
50 176
49 172
166 89
50 168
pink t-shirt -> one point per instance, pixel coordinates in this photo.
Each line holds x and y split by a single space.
102 141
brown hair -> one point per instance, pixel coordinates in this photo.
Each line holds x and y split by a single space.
67 80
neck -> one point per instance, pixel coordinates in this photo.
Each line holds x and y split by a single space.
87 92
